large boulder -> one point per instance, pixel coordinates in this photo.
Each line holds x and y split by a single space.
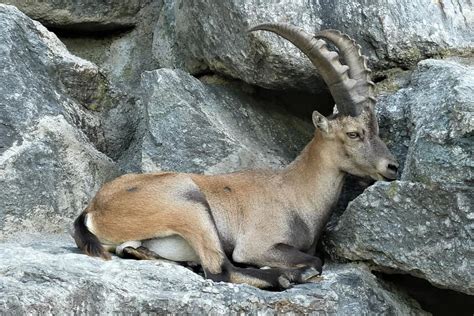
411 228
440 100
116 35
423 224
123 56
213 127
48 165
47 275
391 34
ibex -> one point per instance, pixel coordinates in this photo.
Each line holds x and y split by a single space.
254 218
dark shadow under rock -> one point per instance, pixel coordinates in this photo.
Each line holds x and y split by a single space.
439 302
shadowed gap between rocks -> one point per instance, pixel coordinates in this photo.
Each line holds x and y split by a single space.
91 33
92 46
90 29
432 299
299 103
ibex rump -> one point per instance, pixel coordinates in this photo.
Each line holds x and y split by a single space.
258 218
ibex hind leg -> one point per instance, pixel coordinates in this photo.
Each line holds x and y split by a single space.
140 253
199 230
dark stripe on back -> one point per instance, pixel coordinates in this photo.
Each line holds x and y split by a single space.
197 196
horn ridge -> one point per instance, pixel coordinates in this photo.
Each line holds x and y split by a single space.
351 53
335 75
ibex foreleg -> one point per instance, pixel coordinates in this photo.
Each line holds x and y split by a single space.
298 266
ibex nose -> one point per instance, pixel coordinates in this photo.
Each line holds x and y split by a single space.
391 170
388 169
393 167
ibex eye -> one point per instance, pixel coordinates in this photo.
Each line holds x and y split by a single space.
353 135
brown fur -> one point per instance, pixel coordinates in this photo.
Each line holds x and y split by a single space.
157 208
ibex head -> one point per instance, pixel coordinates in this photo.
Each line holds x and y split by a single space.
353 130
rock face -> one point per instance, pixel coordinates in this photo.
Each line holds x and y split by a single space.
116 35
123 56
210 127
442 111
423 224
46 275
48 166
392 33
405 226
173 85
81 15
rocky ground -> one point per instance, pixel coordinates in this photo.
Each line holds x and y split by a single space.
46 274
88 92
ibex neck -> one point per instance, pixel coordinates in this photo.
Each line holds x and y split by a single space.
314 177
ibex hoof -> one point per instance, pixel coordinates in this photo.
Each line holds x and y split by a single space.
308 274
284 282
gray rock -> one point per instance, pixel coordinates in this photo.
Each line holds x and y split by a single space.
441 103
392 33
195 127
428 123
224 45
46 275
121 56
394 125
35 64
422 225
47 175
48 166
81 15
409 227
116 35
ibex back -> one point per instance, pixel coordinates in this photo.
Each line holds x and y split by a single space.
256 218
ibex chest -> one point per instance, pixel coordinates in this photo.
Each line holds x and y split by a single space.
300 232
307 221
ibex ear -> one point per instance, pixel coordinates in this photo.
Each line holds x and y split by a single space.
320 122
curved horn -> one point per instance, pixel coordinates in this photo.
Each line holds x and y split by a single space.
334 74
350 52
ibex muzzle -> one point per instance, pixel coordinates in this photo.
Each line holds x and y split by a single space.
260 218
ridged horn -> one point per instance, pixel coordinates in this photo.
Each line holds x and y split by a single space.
351 54
334 74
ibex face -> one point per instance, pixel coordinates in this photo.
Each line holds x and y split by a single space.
357 148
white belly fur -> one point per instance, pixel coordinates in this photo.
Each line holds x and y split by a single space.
173 248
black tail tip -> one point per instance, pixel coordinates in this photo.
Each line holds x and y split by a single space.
87 241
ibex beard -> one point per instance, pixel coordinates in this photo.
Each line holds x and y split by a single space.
255 218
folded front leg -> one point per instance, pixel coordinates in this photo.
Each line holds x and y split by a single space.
299 266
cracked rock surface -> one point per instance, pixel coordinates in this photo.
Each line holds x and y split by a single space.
45 274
